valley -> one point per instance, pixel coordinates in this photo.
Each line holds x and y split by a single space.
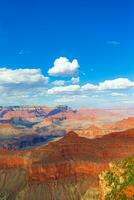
40 158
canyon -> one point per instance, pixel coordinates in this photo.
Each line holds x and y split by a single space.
59 153
69 166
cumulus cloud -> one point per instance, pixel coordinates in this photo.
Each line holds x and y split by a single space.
63 67
116 84
119 83
89 86
22 86
70 89
59 83
19 86
21 76
75 80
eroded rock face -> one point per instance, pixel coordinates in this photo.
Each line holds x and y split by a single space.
29 127
62 170
15 162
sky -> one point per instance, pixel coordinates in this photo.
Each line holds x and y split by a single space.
75 52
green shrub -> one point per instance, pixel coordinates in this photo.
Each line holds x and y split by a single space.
118 182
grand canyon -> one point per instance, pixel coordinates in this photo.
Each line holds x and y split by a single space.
66 100
61 153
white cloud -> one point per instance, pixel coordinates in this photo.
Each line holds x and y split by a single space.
21 76
22 86
116 84
75 80
19 86
70 89
119 83
89 86
63 67
116 94
58 83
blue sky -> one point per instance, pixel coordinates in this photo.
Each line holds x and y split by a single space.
99 35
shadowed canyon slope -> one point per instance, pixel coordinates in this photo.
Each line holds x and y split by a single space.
27 127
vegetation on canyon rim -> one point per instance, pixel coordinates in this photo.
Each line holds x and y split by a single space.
118 182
